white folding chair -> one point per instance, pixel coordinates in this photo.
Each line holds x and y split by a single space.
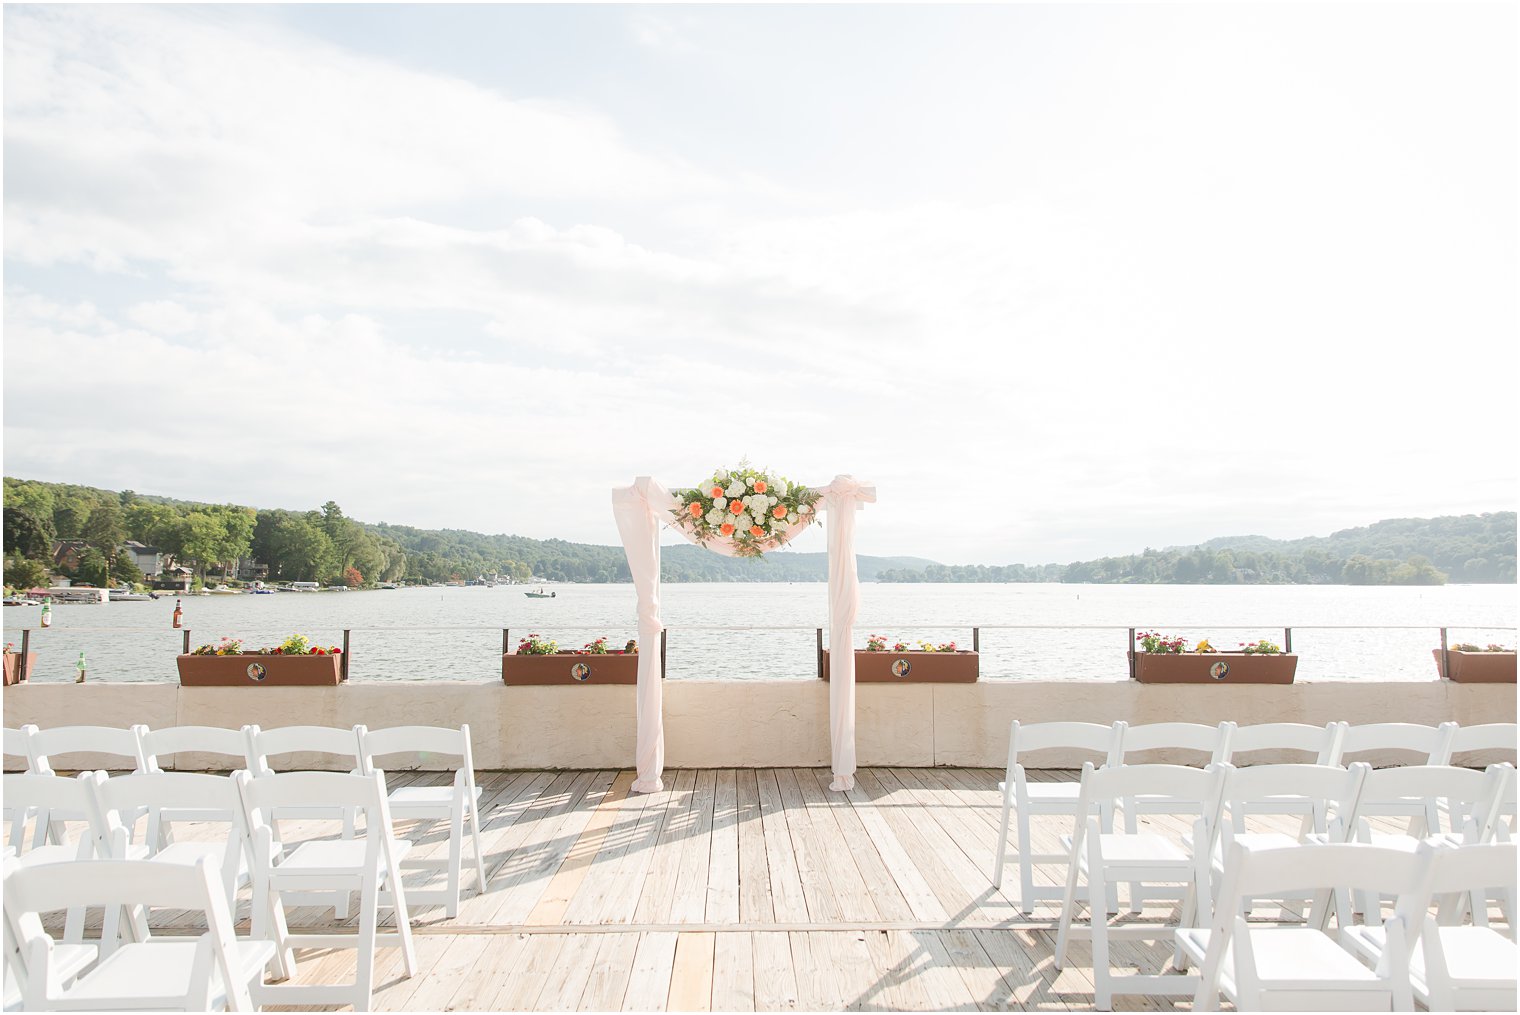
370 866
163 747
1452 967
289 747
1312 793
1493 737
431 804
1142 858
15 747
68 959
46 747
1471 799
1050 799
44 794
1319 744
1300 968
1210 743
1429 745
212 972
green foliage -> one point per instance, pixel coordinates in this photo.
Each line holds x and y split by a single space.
1152 642
104 528
22 573
533 645
27 534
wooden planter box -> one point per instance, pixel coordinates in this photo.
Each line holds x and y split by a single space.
13 666
570 668
912 667
260 671
1473 667
1213 668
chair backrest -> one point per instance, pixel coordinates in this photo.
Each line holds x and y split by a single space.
264 796
1211 741
16 744
1187 787
421 742
157 745
1430 743
1469 794
207 798
1488 737
1320 743
31 891
1298 870
47 746
1280 790
264 745
1072 739
1475 868
50 793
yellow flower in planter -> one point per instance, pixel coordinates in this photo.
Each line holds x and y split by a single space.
1204 646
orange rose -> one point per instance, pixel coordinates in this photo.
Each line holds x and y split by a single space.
695 508
727 528
756 530
735 507
778 511
759 486
717 491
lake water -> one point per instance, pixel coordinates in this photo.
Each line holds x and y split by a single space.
1080 632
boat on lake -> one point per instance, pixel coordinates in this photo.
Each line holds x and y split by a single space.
129 596
541 594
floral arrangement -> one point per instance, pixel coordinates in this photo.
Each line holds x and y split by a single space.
749 508
295 645
1157 644
1468 647
533 645
876 643
10 648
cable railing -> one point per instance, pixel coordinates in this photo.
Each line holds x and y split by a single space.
384 663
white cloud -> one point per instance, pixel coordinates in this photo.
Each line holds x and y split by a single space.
441 302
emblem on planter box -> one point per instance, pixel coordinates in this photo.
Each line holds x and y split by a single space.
901 667
580 671
256 671
1219 670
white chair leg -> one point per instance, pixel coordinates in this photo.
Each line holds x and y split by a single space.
1026 864
1002 849
1103 997
364 961
456 846
1131 827
480 860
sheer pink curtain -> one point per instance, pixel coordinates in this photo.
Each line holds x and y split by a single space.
641 511
840 500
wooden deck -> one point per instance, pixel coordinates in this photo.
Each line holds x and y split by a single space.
731 890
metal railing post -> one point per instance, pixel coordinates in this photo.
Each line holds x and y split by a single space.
1445 656
820 653
23 671
343 668
506 640
1131 653
185 646
976 639
1288 640
663 642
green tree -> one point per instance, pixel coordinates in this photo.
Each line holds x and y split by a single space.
21 573
92 567
28 534
156 525
104 528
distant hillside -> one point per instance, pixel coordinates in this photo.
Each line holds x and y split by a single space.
1400 551
323 545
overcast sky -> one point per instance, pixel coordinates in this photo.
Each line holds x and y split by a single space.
1061 280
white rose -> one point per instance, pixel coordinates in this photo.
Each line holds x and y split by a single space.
744 521
804 509
714 517
735 489
770 501
720 503
792 518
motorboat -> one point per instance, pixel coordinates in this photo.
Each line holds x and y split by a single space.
129 596
21 601
223 590
541 594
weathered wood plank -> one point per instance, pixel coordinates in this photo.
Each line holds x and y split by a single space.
649 983
812 866
566 980
723 860
787 899
535 964
496 967
733 987
689 904
776 982
911 884
658 897
754 868
691 974
885 895
567 880
608 981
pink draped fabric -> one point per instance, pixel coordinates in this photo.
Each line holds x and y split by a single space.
841 499
641 511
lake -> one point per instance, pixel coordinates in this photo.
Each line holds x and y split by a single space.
1339 632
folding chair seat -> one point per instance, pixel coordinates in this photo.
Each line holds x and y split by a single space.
454 803
210 973
1454 967
1210 743
1028 799
1300 968
1140 858
69 960
286 748
370 866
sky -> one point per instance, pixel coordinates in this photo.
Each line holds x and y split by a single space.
1061 280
